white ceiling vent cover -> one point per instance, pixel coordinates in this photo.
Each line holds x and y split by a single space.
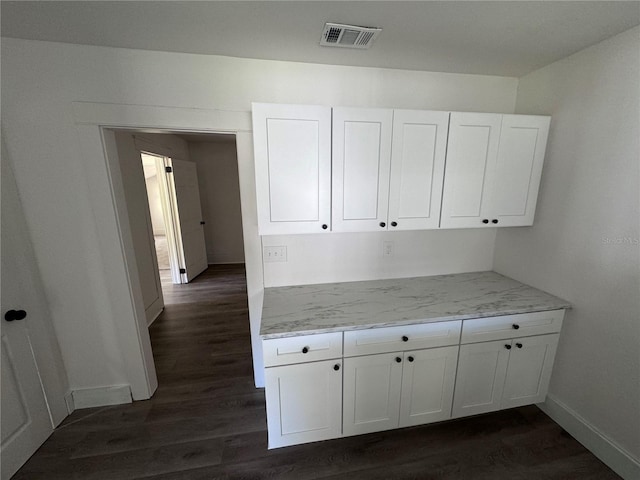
348 36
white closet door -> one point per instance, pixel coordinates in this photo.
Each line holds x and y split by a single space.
361 158
428 379
529 371
417 169
185 178
372 386
471 158
523 141
25 422
292 147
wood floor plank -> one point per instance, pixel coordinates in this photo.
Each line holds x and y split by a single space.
207 420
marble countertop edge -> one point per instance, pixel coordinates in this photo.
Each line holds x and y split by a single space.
313 309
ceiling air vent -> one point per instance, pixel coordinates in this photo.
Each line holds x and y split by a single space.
348 36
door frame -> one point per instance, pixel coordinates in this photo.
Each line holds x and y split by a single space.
95 124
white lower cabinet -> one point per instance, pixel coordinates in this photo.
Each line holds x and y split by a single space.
372 386
503 374
304 402
336 384
401 389
428 378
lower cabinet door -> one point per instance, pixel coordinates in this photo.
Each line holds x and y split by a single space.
529 370
304 402
480 379
428 379
372 386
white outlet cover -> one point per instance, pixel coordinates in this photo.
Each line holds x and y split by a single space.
275 254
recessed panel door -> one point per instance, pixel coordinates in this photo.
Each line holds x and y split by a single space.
523 140
480 378
185 178
360 170
25 422
417 169
303 402
292 147
428 380
529 371
372 386
471 158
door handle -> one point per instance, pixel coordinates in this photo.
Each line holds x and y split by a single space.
12 315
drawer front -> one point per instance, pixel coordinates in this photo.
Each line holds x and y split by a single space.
511 326
305 348
395 339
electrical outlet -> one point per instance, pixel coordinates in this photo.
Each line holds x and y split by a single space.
387 249
275 254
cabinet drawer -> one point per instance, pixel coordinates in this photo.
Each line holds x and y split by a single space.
305 348
511 326
394 339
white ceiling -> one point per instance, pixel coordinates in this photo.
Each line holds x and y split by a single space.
495 38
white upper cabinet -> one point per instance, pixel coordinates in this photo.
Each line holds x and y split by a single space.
494 165
523 140
292 147
361 159
370 169
471 157
417 168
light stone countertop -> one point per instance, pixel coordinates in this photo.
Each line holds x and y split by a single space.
338 307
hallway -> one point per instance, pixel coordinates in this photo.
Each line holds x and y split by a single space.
207 420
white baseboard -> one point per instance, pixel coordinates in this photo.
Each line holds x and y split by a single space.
101 396
152 319
610 453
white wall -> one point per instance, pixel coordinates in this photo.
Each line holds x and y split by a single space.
57 183
584 245
220 198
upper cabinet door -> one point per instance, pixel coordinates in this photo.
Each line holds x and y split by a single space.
361 157
471 158
523 140
292 147
417 169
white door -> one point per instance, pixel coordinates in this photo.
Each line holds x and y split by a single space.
523 141
480 379
529 370
417 169
191 230
372 385
303 402
428 379
292 148
360 171
25 422
471 158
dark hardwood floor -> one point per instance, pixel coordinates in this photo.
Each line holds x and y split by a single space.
207 420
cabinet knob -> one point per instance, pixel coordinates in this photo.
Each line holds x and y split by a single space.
325 226
305 349
410 359
485 220
515 326
398 359
507 346
495 220
382 224
405 338
519 345
394 224
12 315
336 367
